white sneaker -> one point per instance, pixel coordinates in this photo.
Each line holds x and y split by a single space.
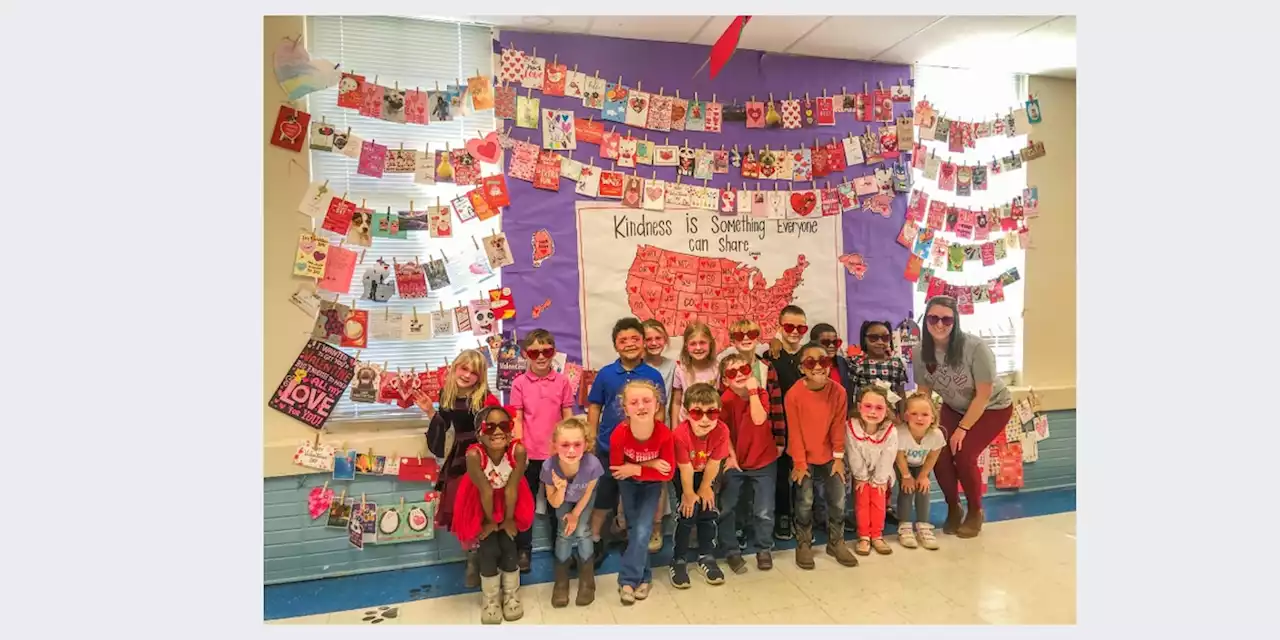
924 531
907 536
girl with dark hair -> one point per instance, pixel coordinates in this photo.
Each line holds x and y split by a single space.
976 405
878 362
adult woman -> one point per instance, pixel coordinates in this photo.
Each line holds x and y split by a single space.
975 407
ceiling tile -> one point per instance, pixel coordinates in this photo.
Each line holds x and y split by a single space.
859 37
559 24
963 41
659 28
763 33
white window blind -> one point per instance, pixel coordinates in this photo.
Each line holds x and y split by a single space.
976 96
410 53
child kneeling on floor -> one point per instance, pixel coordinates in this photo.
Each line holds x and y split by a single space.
570 476
871 446
701 446
493 505
919 445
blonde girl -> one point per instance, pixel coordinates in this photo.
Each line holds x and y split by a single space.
919 445
466 392
697 364
569 477
641 459
871 446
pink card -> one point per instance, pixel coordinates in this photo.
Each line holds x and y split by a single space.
937 215
988 254
964 224
609 143
865 185
416 107
338 270
917 205
411 280
996 292
373 159
755 115
830 200
524 160
371 100
714 117
659 113
947 177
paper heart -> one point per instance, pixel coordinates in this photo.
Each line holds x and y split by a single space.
654 193
319 256
638 104
290 129
767 170
666 154
555 76
803 202
486 149
755 113
318 501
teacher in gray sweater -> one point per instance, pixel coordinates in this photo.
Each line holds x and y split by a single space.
976 405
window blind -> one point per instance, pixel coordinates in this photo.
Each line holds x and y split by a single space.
410 53
974 95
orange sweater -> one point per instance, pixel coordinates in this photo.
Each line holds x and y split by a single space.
815 423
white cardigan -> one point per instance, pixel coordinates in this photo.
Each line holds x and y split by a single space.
870 458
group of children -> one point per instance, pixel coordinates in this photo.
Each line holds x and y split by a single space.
762 432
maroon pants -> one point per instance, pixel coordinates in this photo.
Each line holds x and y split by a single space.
963 464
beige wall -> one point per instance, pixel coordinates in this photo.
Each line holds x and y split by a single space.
1049 320
284 328
1049 357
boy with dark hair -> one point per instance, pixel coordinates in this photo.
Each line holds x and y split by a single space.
785 361
701 446
604 412
540 397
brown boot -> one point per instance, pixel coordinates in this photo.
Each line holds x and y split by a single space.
471 577
972 524
804 546
586 584
560 590
954 516
840 551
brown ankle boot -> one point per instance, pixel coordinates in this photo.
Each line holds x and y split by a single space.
954 516
586 583
804 546
838 549
972 524
471 576
560 590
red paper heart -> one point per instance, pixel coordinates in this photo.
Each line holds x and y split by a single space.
666 154
486 149
803 202
754 113
766 170
319 255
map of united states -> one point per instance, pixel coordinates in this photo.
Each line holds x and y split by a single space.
678 289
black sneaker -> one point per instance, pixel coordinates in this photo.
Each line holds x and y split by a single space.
736 563
679 573
742 540
890 518
782 528
710 570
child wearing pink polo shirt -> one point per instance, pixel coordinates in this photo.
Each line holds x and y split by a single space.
540 398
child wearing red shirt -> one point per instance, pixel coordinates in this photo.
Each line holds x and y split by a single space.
641 458
701 446
752 462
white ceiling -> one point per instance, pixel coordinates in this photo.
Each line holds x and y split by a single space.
1041 45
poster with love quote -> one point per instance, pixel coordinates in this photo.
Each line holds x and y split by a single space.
314 384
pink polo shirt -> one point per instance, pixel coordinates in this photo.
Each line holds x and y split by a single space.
540 401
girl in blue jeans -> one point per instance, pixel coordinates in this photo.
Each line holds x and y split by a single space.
570 476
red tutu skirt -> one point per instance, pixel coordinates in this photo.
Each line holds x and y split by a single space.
468 513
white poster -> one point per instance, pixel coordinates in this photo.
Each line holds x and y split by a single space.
682 265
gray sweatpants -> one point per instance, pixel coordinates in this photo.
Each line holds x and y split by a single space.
905 500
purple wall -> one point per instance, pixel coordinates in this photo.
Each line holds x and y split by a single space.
883 294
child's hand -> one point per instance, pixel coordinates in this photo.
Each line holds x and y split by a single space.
858 484
509 526
922 483
798 474
775 348
837 468
882 488
570 523
752 384
486 529
687 502
558 482
908 484
731 463
624 471
661 466
708 498
423 401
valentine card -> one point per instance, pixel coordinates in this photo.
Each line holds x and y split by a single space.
924 243
593 92
417 107
865 185
637 113
588 182
498 251
912 271
574 83
535 73
907 236
502 303
947 177
830 201
466 210
546 174
588 131
527 112
826 115
713 117
558 130
401 161
321 136
411 280
313 251
980 178
932 166
312 456
627 148
679 113
802 203
615 103
848 198
385 324
315 202
544 247
554 78
801 165
702 169
373 159
955 258
377 281
632 191
755 115
355 330
964 181
883 105
852 151
314 384
349 91
291 128
338 270
504 102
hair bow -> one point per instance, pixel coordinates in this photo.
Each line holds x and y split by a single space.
887 389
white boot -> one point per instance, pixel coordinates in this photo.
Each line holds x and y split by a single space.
924 531
512 609
907 535
491 604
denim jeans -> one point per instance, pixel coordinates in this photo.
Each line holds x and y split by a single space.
833 487
579 539
703 521
760 481
639 500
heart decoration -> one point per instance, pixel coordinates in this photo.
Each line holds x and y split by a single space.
486 149
803 202
654 193
666 154
318 501
555 76
767 170
318 255
638 104
290 129
755 113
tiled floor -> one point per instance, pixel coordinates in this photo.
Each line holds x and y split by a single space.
1019 571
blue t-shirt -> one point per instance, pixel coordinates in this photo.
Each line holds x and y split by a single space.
605 392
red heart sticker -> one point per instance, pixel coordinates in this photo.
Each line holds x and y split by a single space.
755 113
802 202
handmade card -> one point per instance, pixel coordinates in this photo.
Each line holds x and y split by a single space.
314 384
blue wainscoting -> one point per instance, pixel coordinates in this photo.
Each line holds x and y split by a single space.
298 548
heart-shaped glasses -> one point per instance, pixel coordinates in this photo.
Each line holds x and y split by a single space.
698 414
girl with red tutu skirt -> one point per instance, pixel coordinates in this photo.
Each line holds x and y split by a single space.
465 393
491 505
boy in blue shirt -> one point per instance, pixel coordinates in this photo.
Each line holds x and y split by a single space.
604 412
